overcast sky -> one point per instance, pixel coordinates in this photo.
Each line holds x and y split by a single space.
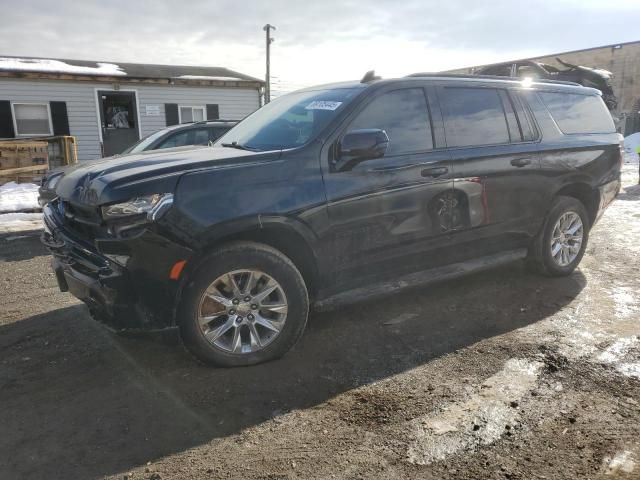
317 41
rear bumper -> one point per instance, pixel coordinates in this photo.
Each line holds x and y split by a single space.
124 282
608 193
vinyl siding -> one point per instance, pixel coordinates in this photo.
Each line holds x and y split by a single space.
80 97
235 104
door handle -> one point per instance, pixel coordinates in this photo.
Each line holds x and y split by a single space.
434 172
521 162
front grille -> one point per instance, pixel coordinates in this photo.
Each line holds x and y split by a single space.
71 242
85 223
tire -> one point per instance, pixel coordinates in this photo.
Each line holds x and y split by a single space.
259 264
540 258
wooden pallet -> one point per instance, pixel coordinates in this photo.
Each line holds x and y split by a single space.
23 161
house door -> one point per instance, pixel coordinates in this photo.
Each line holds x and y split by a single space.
118 121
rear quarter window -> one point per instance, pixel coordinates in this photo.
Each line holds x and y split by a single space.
578 113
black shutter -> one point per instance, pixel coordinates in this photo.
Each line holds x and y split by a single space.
213 112
6 120
59 118
171 114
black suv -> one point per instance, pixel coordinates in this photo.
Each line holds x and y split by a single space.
330 194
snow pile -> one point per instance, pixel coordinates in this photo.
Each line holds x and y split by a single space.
206 77
16 222
56 66
631 143
18 196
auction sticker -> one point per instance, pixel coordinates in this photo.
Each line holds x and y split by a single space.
322 105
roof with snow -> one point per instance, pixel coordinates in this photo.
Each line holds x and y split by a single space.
62 69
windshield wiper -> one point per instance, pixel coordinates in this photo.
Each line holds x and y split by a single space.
239 146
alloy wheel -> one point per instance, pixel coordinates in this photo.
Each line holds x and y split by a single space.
242 311
566 238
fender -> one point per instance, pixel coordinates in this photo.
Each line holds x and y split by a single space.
253 228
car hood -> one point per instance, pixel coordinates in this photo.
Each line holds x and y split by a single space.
129 156
116 179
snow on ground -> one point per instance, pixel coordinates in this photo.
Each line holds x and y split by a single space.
622 462
15 197
16 222
632 142
592 330
57 66
436 437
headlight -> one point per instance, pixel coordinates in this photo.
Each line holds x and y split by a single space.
151 205
53 181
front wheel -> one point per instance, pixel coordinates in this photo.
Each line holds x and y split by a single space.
560 245
247 303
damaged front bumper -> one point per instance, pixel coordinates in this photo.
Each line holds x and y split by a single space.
125 282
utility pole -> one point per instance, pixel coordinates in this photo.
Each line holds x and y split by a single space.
267 89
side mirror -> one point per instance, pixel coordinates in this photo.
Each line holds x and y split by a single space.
359 145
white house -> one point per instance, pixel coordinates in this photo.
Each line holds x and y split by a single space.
109 106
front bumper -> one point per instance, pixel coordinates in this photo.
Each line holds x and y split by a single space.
125 282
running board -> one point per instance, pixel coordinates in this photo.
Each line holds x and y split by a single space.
438 274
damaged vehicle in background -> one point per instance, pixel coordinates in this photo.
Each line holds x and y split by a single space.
334 194
585 76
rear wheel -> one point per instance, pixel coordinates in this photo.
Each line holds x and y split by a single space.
247 303
560 245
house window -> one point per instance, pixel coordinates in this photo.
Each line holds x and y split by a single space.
32 119
191 114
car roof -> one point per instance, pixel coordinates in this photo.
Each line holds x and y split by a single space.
530 83
537 84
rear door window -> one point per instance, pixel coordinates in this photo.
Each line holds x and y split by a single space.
576 113
474 116
404 115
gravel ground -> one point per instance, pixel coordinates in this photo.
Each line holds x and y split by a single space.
502 374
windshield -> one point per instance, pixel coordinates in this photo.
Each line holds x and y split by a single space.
140 145
288 121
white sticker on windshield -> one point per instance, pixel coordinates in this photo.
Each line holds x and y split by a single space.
322 105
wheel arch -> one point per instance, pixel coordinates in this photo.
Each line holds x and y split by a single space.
292 239
586 194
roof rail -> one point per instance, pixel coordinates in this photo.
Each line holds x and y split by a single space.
491 77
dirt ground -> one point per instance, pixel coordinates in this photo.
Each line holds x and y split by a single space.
502 374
